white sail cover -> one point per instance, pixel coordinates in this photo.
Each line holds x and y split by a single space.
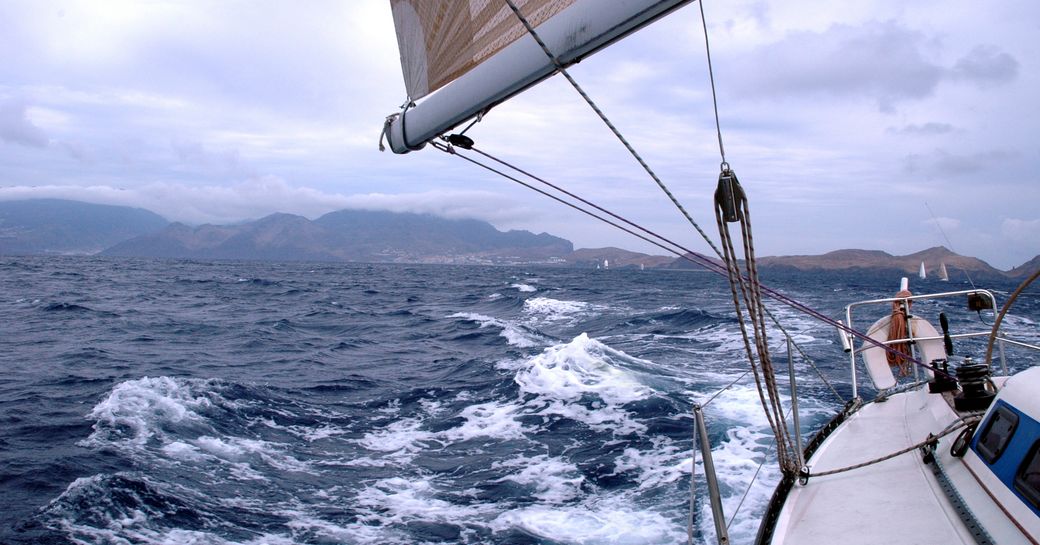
476 53
442 39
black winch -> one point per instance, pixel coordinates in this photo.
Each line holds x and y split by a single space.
942 381
977 390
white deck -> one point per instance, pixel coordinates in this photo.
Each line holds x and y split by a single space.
896 501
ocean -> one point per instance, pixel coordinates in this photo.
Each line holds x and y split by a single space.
150 401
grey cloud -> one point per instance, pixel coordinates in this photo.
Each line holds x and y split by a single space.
944 164
226 162
986 65
16 128
930 128
883 61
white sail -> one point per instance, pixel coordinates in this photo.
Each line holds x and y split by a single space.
943 275
920 271
483 48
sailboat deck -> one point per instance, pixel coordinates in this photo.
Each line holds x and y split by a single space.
895 501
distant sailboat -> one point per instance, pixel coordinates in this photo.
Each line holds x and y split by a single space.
606 264
942 273
920 271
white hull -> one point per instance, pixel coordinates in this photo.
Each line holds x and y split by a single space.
895 501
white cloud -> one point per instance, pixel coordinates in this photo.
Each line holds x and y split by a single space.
947 225
260 196
1021 230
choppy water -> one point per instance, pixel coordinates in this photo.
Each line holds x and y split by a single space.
222 403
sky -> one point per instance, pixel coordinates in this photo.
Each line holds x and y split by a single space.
879 124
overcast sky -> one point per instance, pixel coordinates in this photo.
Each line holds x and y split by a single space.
845 121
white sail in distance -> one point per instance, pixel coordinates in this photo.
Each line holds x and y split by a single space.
465 56
943 275
921 272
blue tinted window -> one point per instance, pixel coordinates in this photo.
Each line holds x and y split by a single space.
1027 480
997 434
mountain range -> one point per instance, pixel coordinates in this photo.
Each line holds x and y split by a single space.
56 226
349 235
51 226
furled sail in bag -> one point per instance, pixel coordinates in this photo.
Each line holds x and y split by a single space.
476 53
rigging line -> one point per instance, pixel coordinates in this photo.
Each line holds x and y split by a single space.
632 150
559 67
750 484
714 97
646 167
724 388
947 239
686 253
451 151
543 181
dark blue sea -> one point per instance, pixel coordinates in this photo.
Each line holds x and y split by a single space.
148 402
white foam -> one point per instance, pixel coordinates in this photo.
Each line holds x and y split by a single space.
402 439
663 464
180 450
492 420
554 310
144 406
398 500
605 521
601 418
106 523
524 288
513 334
582 366
553 479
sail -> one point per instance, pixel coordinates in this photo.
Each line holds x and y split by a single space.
476 53
943 275
440 41
920 271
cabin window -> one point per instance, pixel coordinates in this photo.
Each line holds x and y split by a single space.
1027 480
997 434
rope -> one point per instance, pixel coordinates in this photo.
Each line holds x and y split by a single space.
559 67
956 425
731 193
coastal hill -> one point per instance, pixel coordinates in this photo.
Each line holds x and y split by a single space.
876 260
55 226
615 257
1025 269
910 264
350 235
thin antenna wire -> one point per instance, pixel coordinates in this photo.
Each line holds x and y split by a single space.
949 244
